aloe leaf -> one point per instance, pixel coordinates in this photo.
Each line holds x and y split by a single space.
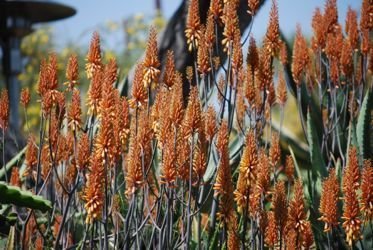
12 162
10 242
363 127
15 196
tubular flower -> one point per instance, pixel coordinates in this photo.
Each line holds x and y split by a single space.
169 72
4 110
319 30
329 201
346 59
289 168
366 19
272 37
177 107
249 160
367 191
199 162
331 15
301 57
210 32
72 72
222 138
139 94
275 150
193 25
151 62
93 57
25 97
237 57
216 9
134 177
75 112
263 176
93 192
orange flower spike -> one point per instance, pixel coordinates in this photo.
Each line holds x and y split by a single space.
272 37
75 112
203 59
297 213
222 139
307 238
134 177
25 97
177 106
210 123
283 54
346 59
352 29
168 170
193 25
331 15
301 57
151 62
192 118
230 25
351 211
366 19
279 204
31 158
275 150
252 55
237 57
210 33
15 179
83 154
72 72
169 72
263 176
281 89
351 176
199 162
42 87
367 191
139 93
94 56
289 168
94 93
4 110
216 9
329 201
52 72
253 6
319 30
249 160
271 231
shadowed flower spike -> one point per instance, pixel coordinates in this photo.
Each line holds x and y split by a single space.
289 168
139 94
329 201
252 55
301 56
169 72
15 179
297 213
72 72
25 97
93 57
283 54
279 205
367 191
193 25
272 37
4 110
75 112
192 119
210 123
275 150
151 62
83 154
271 231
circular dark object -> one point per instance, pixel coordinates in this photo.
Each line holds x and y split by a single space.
35 11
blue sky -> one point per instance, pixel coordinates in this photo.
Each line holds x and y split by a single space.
93 13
